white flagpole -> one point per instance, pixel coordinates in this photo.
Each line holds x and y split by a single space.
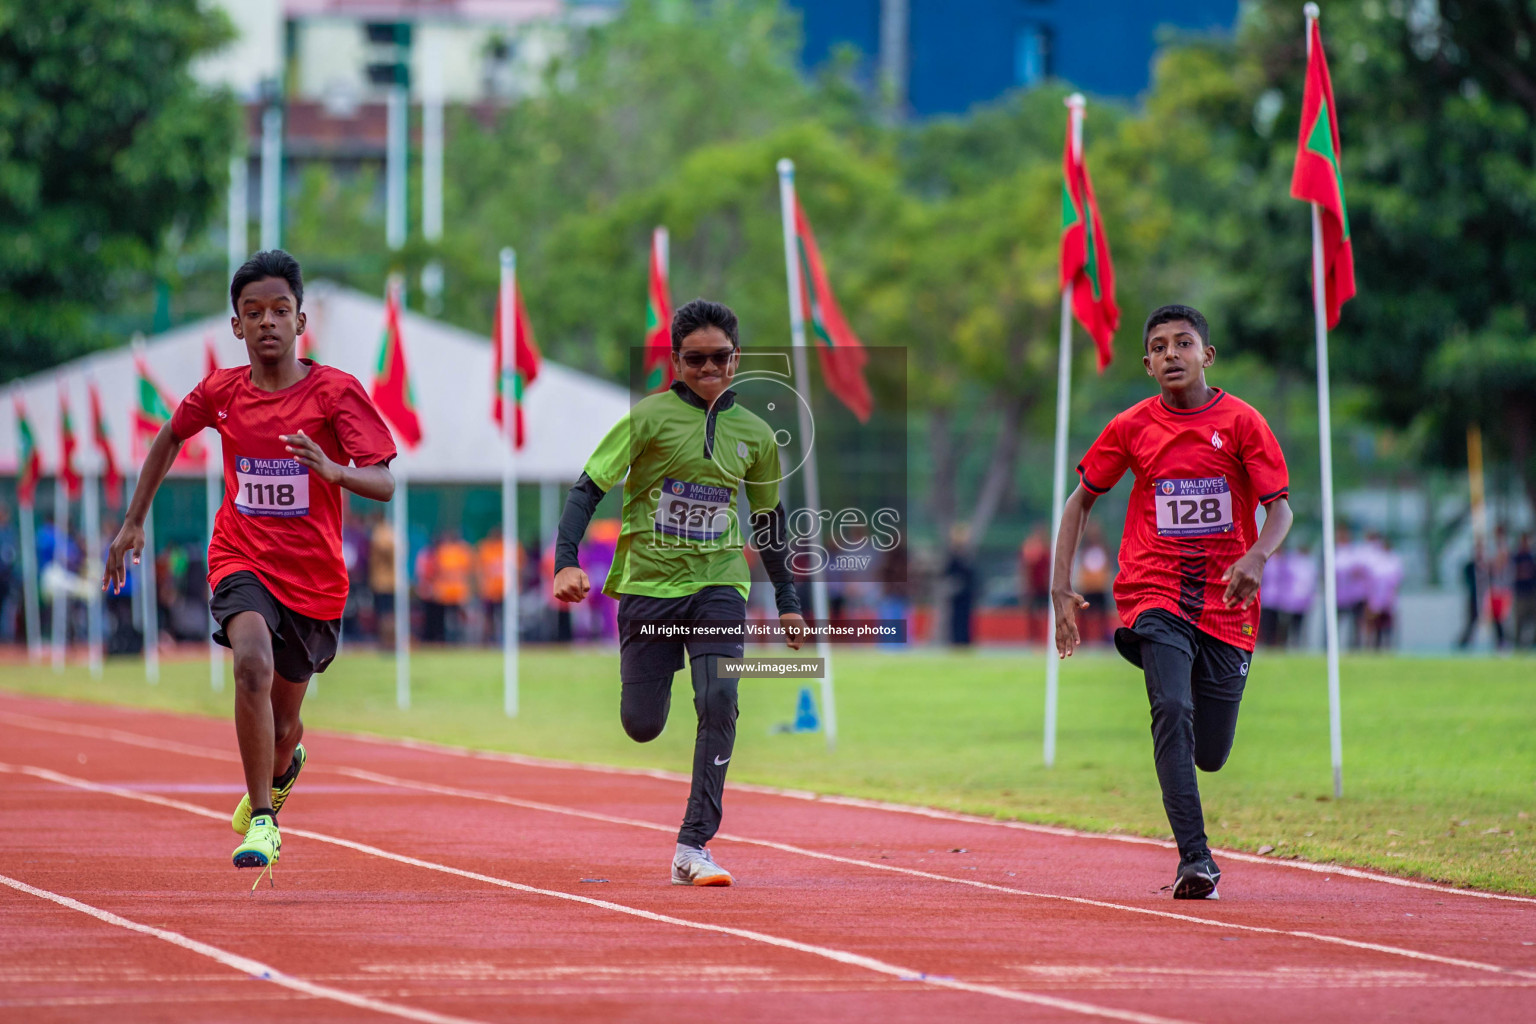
1325 446
213 487
30 610
819 604
1075 104
90 513
59 599
151 603
509 611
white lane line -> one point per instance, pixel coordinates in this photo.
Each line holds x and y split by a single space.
254 968
533 805
825 952
523 760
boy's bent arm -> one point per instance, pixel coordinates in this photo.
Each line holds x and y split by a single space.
1242 576
162 453
1065 601
375 481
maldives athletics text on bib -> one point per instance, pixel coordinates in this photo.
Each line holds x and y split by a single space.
271 487
1193 508
693 511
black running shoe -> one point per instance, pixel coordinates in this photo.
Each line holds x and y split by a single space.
1197 878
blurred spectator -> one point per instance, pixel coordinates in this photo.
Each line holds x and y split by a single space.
1035 581
894 591
1498 577
1272 586
1353 580
434 625
1093 582
354 553
597 555
1523 573
455 575
1474 576
1386 577
960 585
10 577
1295 604
381 579
490 584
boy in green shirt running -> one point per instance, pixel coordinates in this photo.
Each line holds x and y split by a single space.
679 558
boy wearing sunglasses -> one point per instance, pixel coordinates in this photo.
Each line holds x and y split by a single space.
682 454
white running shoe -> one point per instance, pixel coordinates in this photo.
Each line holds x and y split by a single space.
693 865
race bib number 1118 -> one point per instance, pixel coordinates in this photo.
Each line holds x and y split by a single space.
1193 508
271 487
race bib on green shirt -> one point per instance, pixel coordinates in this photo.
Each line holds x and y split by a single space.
693 511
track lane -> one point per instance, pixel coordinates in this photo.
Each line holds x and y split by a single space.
1056 954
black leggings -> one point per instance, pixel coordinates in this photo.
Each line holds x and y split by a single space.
643 708
1194 687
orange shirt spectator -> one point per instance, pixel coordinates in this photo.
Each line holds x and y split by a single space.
455 569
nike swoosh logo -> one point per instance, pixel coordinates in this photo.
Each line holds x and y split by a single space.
718 761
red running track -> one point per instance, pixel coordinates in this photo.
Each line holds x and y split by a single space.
433 884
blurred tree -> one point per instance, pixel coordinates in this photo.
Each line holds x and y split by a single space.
109 155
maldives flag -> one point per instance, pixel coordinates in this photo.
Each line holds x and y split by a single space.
210 357
391 390
29 461
1317 178
67 471
111 478
841 353
1085 263
153 411
525 365
658 318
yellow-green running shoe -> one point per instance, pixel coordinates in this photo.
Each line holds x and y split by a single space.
241 820
261 847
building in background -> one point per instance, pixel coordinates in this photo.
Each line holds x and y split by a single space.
945 56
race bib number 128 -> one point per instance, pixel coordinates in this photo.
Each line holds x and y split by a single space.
271 487
1193 508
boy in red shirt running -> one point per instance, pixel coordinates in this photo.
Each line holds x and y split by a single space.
1191 558
294 434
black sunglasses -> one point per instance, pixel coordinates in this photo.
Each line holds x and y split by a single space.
720 357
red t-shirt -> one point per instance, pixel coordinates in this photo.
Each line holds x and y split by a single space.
1200 473
279 520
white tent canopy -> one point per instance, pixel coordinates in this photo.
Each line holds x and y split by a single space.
567 412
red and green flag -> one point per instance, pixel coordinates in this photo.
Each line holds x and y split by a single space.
1317 178
1086 266
525 364
658 318
210 357
841 353
111 478
152 411
391 390
67 472
29 461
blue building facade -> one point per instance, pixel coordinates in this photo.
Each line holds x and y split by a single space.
949 55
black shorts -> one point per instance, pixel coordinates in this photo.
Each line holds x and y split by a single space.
301 646
641 658
1213 660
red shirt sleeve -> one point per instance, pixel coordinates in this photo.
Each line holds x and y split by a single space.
1265 462
364 436
193 413
1106 461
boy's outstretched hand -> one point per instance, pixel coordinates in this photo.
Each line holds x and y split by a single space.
1066 603
1242 580
129 538
304 450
